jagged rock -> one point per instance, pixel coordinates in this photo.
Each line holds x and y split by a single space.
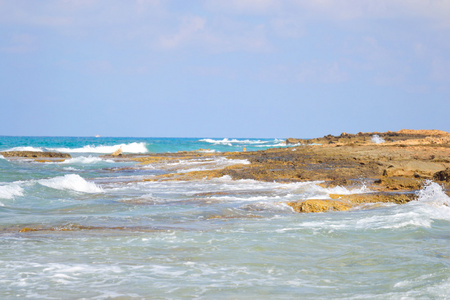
314 206
118 152
34 154
443 175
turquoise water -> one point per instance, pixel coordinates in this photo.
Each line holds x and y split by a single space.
97 231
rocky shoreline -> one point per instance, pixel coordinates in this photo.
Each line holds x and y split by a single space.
38 156
395 165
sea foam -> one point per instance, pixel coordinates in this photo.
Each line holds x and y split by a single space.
126 148
86 160
229 142
10 191
27 148
72 182
433 194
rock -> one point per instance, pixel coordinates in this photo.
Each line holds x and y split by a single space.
314 206
292 141
118 152
400 183
34 154
442 175
375 198
345 202
413 168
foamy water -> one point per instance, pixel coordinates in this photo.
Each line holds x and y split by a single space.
90 227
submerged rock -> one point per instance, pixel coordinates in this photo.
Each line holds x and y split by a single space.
34 154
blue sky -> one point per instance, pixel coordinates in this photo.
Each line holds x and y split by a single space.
216 68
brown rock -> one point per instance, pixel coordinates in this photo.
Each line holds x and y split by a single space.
34 154
400 183
375 198
442 175
118 152
313 206
413 168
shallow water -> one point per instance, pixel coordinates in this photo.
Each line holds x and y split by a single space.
89 228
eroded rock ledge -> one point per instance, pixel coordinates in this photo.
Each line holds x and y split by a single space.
40 156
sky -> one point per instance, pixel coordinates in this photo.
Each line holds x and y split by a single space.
223 68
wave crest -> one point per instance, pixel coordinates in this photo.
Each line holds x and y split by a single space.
10 191
72 182
126 148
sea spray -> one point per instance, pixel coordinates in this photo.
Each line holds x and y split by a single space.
377 139
433 194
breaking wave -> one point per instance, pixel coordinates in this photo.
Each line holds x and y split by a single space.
126 148
10 191
86 160
27 148
229 142
72 182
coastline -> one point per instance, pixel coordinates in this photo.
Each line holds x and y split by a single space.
394 169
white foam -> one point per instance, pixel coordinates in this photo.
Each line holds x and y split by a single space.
26 149
315 191
433 194
229 142
126 148
86 160
72 182
377 139
207 164
10 191
2 157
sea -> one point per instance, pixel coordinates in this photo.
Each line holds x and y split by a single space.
90 227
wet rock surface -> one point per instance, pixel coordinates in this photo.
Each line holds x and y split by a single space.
35 154
403 162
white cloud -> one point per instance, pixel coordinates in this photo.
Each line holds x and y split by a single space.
244 6
188 31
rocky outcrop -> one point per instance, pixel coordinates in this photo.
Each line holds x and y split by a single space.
35 154
356 199
400 183
401 137
413 168
443 175
346 202
402 163
314 206
118 152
